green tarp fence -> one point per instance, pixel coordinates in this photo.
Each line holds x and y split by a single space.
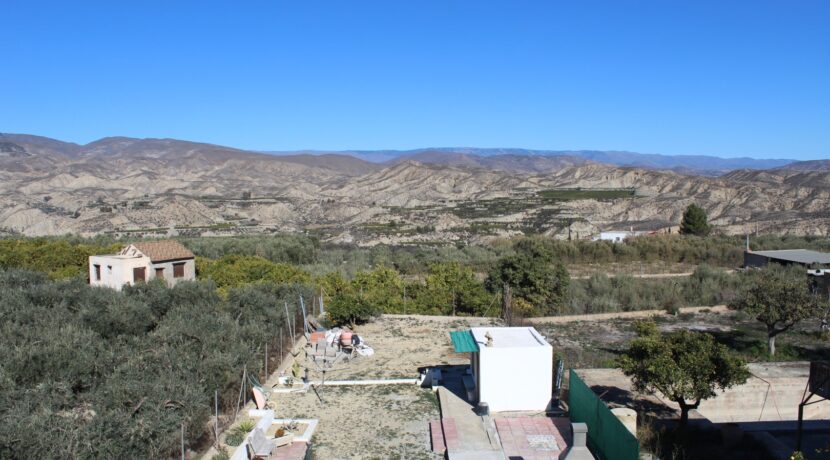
608 438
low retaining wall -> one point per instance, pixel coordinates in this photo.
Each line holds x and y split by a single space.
772 393
266 420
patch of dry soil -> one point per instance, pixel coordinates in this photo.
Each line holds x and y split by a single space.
379 421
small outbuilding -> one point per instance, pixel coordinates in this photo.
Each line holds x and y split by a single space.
512 367
803 257
139 262
621 236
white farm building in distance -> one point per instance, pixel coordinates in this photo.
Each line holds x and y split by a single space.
144 261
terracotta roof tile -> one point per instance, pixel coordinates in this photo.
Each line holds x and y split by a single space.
159 251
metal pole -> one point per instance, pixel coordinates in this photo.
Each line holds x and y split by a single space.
800 426
266 361
241 391
305 321
182 440
216 416
288 320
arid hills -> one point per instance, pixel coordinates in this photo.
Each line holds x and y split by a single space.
127 186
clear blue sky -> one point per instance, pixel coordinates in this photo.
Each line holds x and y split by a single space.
728 78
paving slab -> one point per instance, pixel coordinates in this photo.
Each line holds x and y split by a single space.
296 451
465 432
436 434
541 438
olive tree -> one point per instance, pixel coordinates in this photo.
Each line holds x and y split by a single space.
779 297
684 366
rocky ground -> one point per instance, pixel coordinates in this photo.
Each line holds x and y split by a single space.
156 187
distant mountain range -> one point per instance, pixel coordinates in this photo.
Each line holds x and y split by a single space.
132 187
540 160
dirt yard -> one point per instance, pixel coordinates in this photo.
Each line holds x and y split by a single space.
597 343
390 421
379 421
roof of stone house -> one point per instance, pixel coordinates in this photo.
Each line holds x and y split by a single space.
159 251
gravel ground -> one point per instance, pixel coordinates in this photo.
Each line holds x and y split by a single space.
379 421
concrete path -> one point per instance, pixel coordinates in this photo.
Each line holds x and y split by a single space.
467 435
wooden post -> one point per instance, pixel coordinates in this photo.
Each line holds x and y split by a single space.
241 392
507 305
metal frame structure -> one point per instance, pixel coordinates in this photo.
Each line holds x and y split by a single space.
817 385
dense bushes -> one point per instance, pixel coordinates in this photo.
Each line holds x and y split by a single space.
601 293
290 249
234 271
66 257
94 373
447 289
59 258
410 260
351 309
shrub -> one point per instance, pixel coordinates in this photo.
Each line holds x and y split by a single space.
222 454
245 426
234 438
351 309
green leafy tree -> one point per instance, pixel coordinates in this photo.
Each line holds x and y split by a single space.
452 288
695 221
779 297
57 257
534 274
332 283
684 366
235 271
382 287
351 309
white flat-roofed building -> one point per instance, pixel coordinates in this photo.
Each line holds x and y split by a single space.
512 367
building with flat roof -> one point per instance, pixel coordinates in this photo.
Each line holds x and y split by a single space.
512 367
804 257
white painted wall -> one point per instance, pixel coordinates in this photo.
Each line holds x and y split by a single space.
614 236
515 378
121 272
